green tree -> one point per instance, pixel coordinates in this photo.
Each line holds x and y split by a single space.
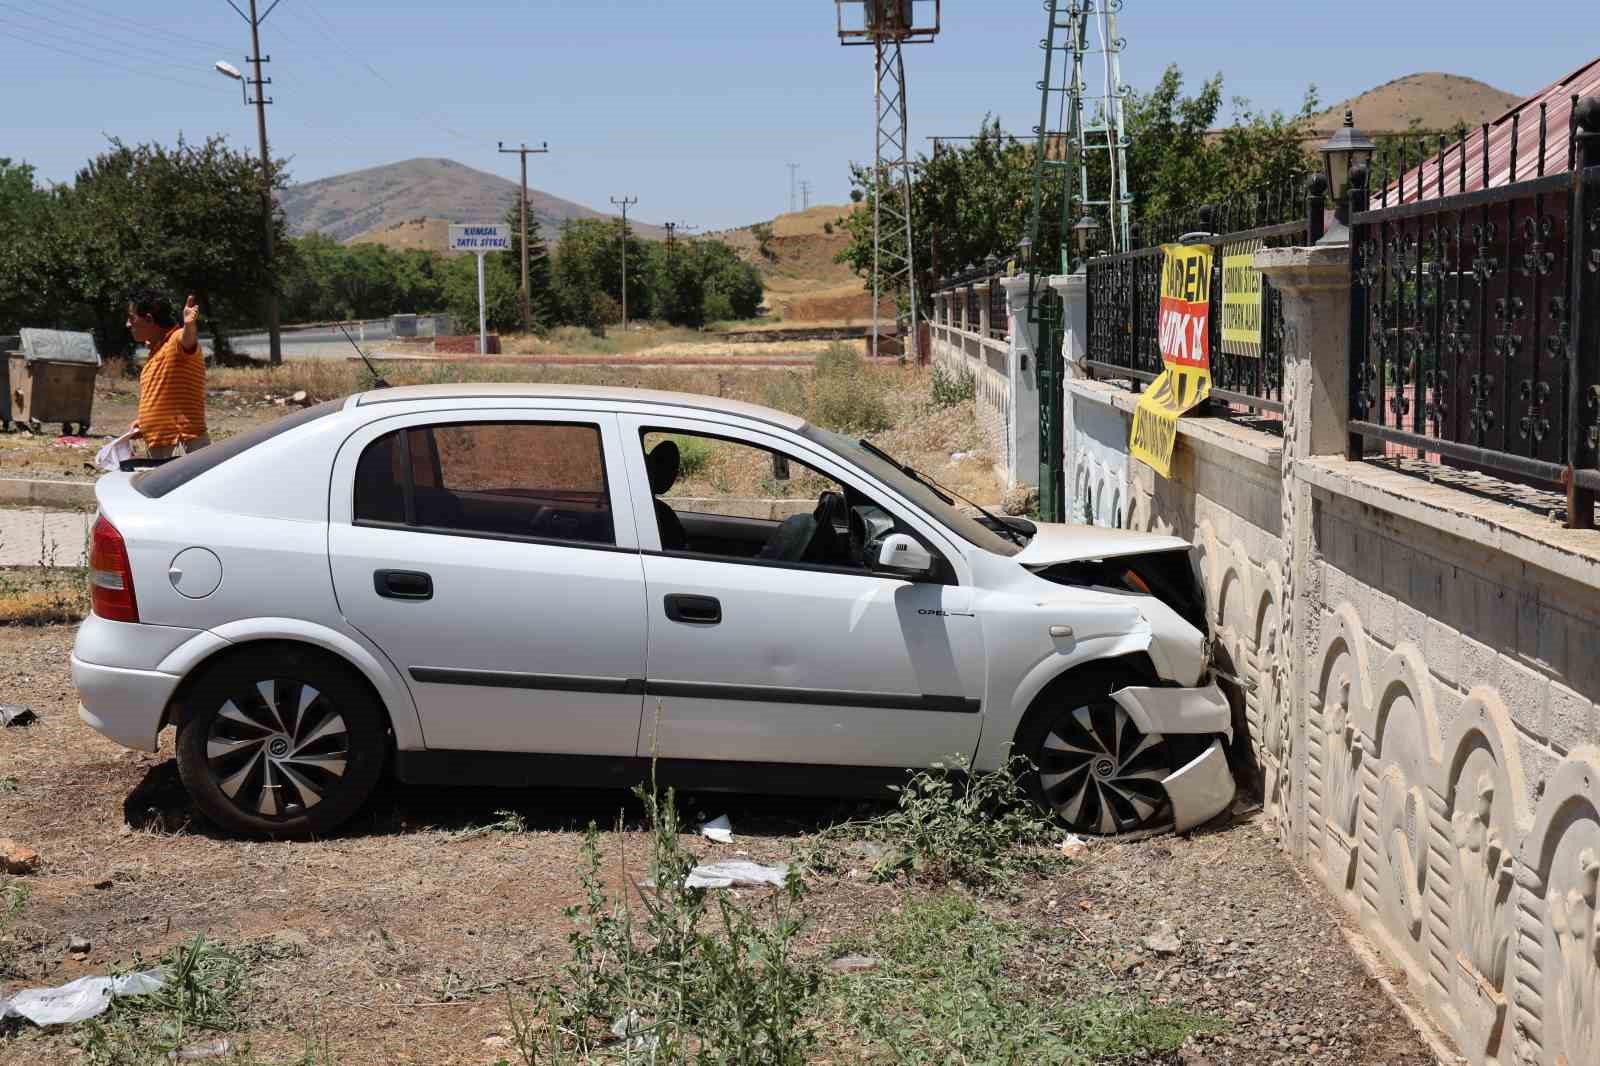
543 305
29 263
502 293
588 265
186 219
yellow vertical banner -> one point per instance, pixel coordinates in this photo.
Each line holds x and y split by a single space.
1184 333
1241 300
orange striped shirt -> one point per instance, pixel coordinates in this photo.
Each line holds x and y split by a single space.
172 393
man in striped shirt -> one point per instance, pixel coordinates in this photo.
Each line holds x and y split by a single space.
172 386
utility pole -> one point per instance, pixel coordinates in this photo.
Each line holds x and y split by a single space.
805 195
274 340
793 167
524 152
672 229
625 203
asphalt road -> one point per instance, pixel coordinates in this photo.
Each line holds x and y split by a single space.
316 342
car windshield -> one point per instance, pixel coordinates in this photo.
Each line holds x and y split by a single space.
935 506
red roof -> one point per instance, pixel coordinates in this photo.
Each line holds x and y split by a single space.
1520 127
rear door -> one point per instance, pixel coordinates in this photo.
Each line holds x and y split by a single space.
492 556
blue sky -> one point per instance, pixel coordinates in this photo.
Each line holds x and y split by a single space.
694 106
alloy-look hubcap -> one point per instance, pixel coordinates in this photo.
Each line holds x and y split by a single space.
1101 774
276 749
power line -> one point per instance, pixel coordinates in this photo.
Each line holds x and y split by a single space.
142 26
143 73
522 203
55 28
805 194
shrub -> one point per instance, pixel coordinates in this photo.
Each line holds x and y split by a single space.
950 389
845 394
693 455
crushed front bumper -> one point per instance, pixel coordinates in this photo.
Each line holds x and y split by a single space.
1203 787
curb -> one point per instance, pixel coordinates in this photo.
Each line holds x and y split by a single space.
22 492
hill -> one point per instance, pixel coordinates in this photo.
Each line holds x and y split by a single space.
1437 101
803 282
377 198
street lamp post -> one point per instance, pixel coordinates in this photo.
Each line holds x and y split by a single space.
1083 232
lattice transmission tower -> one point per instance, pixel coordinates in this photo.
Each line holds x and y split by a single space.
1081 154
886 26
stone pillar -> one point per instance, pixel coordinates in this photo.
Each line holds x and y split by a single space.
1023 428
1315 283
1074 290
983 311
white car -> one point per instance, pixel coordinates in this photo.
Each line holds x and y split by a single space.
494 584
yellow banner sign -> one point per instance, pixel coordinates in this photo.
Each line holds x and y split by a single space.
1241 300
1184 332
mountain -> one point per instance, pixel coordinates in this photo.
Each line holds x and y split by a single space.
399 194
1437 101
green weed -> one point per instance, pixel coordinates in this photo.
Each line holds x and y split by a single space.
205 990
694 978
13 901
946 991
976 829
948 389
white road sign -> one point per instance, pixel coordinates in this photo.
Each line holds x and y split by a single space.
480 238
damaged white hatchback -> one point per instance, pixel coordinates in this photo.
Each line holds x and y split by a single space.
536 585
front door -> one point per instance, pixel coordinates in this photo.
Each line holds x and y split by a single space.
492 558
765 649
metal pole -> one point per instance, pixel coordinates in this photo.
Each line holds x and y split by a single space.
274 340
877 190
483 322
1581 357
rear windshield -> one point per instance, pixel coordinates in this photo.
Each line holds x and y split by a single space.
163 479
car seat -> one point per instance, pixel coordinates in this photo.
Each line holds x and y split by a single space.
662 465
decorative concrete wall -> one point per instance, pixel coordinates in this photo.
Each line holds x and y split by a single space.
1004 388
1426 664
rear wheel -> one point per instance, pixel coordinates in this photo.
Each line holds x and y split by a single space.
1097 771
281 742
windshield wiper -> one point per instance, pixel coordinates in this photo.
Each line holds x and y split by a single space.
939 490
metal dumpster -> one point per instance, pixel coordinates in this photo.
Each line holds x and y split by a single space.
52 379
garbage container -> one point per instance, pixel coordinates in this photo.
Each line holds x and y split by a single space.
52 379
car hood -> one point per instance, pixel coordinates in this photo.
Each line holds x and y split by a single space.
1055 543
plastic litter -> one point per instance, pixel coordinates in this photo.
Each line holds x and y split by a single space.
214 1049
112 455
736 872
719 829
16 714
78 1000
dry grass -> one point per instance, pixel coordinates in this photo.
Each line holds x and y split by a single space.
37 596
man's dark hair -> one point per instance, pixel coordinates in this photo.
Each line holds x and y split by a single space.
158 307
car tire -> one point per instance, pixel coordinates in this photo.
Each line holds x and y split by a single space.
281 742
1090 766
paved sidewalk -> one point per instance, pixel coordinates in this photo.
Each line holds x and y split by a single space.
33 537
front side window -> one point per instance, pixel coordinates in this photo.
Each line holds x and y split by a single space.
733 500
534 480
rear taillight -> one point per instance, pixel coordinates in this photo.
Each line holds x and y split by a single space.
110 576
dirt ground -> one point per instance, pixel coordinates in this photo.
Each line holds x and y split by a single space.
393 942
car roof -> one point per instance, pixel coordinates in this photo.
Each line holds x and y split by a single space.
606 394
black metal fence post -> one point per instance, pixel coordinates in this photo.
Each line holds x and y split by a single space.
1356 198
1316 203
1583 404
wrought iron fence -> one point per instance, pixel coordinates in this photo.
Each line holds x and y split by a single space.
972 305
999 311
1125 293
1469 339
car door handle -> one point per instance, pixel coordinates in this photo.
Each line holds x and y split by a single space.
403 584
694 610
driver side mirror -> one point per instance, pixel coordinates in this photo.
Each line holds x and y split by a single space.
900 554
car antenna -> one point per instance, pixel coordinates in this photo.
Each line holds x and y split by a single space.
378 382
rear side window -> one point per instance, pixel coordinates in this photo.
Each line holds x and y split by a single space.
539 481
163 479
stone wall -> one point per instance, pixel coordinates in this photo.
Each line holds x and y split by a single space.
1425 664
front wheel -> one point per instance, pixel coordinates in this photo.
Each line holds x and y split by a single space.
1097 771
281 743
